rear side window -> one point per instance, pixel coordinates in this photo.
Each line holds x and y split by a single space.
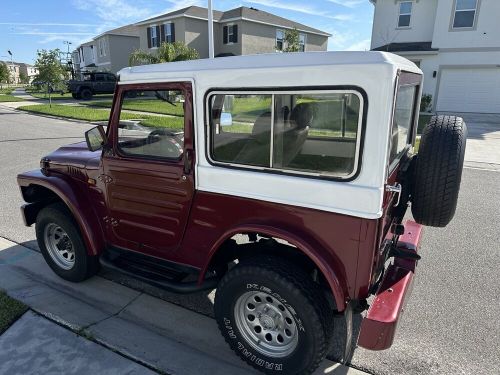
314 133
403 120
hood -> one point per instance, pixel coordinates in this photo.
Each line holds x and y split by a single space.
75 155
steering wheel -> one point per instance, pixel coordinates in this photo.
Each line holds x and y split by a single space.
161 132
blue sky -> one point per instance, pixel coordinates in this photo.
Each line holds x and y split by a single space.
26 26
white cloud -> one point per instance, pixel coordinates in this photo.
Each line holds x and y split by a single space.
114 11
348 3
302 8
48 24
363 45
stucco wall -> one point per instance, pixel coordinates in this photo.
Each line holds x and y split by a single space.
385 23
196 35
486 34
120 49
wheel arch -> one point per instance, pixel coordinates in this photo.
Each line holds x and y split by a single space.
39 191
305 248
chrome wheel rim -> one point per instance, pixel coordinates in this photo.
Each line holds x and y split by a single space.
59 246
266 324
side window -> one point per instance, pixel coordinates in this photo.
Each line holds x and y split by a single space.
464 14
242 129
99 77
405 9
152 124
403 119
313 133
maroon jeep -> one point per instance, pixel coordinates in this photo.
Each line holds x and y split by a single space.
282 181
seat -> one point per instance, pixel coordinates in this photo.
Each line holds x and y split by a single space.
295 136
257 150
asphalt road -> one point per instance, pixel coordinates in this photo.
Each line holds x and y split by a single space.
451 323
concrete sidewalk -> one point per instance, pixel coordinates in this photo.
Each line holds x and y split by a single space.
142 328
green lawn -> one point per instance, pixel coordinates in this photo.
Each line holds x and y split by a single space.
10 98
65 96
10 311
95 114
144 105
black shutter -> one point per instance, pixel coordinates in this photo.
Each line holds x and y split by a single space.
149 37
225 35
235 34
157 36
162 33
172 28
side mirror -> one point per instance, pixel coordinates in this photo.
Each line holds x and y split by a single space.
226 119
96 138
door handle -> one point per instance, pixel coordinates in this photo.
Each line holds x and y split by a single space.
188 162
397 189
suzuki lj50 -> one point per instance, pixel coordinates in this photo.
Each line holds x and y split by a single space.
280 180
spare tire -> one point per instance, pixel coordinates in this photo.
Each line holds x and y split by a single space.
438 171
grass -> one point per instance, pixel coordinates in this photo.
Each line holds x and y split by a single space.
10 98
144 105
65 96
10 311
95 114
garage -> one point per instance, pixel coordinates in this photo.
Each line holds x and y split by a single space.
469 90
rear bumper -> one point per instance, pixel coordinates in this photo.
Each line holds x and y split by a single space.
378 328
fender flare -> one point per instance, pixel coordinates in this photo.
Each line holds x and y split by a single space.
80 208
324 266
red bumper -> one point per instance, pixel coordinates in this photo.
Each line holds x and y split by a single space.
378 328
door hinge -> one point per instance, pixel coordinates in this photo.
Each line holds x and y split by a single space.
397 189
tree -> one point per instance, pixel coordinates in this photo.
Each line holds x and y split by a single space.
4 73
50 69
23 78
292 40
167 52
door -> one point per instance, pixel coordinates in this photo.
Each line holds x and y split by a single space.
148 172
469 90
100 83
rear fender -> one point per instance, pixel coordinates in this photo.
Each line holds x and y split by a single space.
311 251
78 204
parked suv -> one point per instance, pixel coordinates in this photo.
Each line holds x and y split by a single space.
281 180
92 83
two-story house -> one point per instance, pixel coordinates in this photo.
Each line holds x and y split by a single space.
109 51
456 43
238 31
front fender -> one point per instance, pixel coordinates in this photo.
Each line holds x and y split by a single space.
309 248
65 188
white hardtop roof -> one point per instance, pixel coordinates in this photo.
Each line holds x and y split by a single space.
186 69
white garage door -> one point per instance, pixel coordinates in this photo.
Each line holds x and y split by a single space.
469 90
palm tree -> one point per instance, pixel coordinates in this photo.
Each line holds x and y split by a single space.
167 52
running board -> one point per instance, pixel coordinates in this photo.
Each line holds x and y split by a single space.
151 277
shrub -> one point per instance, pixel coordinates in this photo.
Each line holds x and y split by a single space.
426 103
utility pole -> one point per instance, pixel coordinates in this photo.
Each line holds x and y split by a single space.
12 66
210 30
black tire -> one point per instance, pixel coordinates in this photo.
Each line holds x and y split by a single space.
86 94
74 95
291 286
85 265
438 171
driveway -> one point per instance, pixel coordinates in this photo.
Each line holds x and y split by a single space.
483 142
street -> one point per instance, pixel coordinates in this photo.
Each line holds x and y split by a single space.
450 325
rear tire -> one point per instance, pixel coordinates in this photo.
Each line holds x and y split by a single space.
438 171
86 94
74 95
274 316
62 246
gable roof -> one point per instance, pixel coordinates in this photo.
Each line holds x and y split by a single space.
240 13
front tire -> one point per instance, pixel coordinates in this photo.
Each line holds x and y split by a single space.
86 94
62 245
274 316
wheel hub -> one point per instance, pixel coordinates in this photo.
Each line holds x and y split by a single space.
266 324
59 246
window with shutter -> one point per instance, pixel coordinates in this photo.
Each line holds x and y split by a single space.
169 33
149 37
225 32
230 34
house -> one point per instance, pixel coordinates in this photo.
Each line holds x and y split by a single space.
109 51
455 42
239 31
14 70
28 70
